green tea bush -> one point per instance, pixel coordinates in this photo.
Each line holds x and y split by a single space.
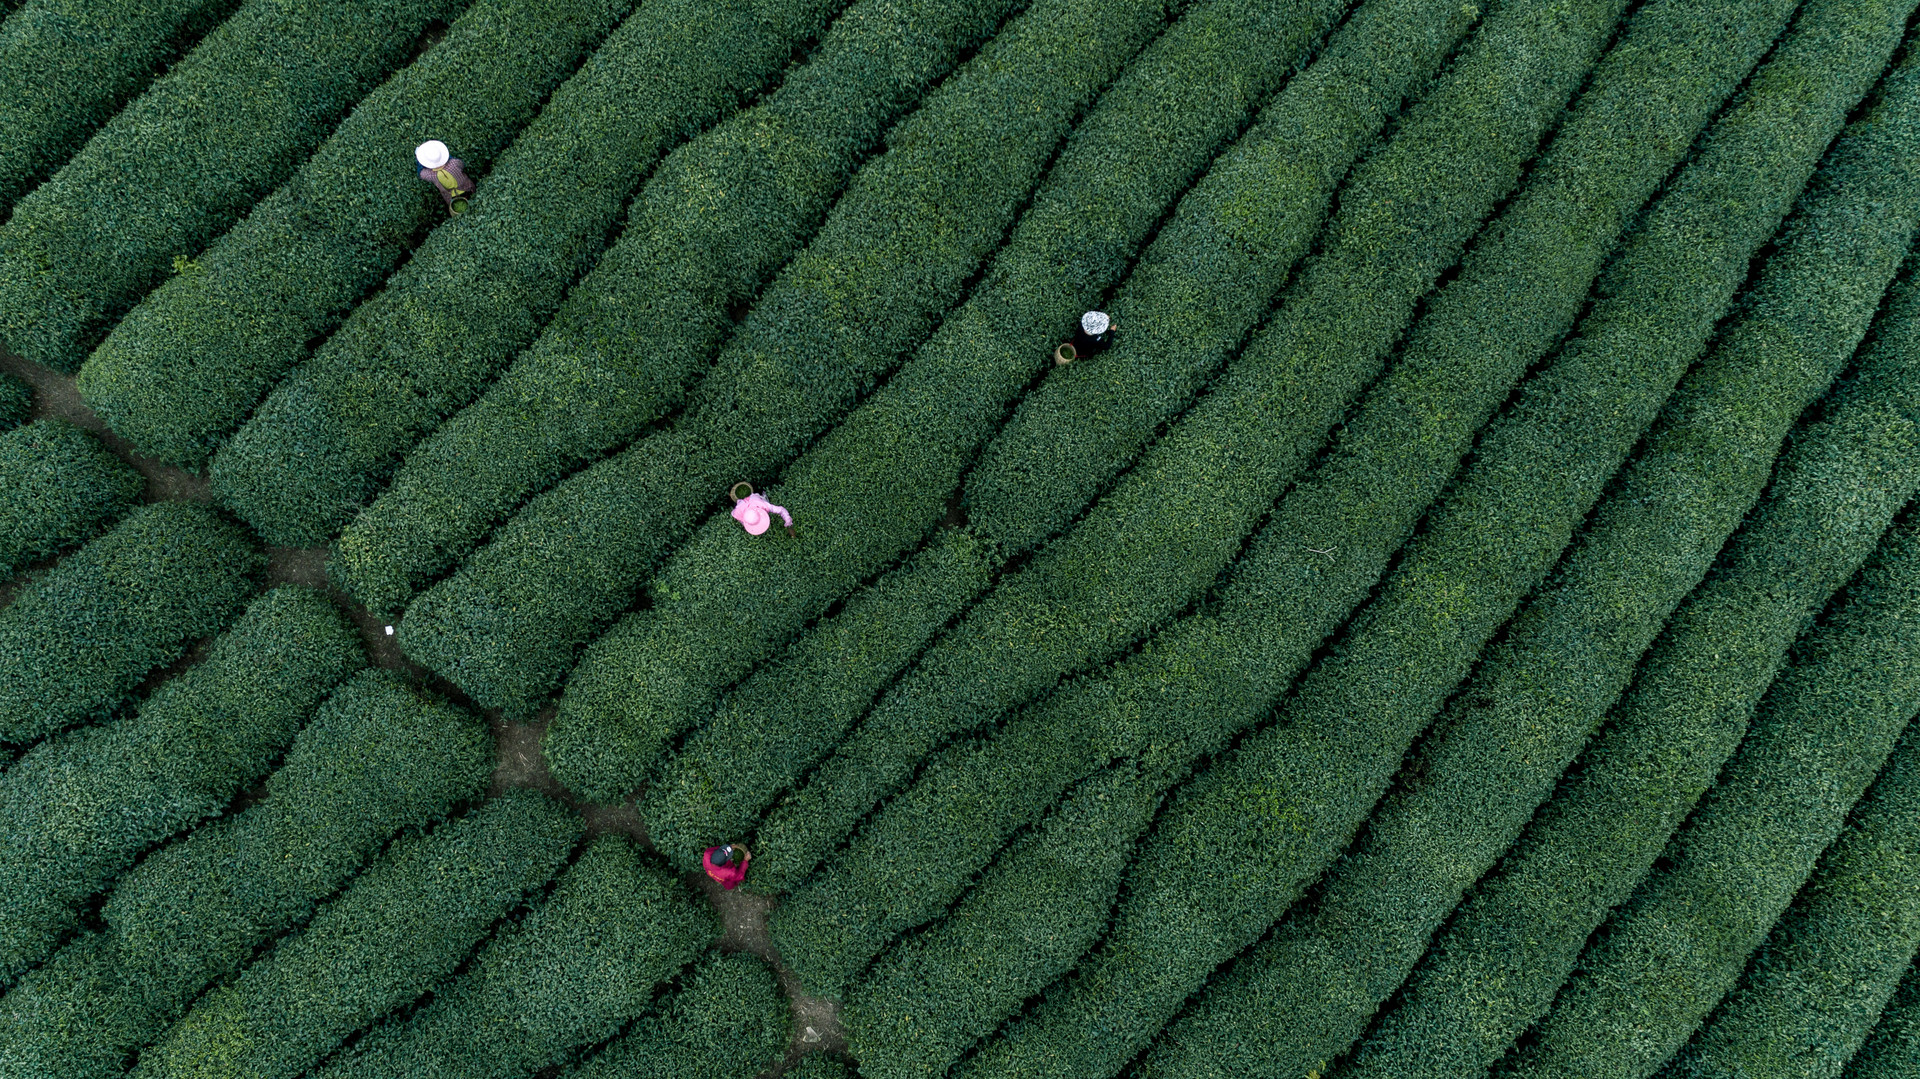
1159 537
729 1019
480 289
186 159
1893 1049
1027 920
376 759
754 746
768 731
16 401
713 224
1829 502
77 811
74 644
59 487
399 928
893 256
1810 996
1308 991
584 962
66 66
185 366
1282 806
1664 959
883 476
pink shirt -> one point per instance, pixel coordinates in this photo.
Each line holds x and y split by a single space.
752 512
728 875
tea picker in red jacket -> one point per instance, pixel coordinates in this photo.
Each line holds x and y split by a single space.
445 174
1094 333
727 864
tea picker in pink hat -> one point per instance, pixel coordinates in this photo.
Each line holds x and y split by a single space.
1094 333
752 511
443 171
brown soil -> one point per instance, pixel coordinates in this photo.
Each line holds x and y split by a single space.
521 763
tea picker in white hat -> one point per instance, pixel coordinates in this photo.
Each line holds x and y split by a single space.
1094 333
443 171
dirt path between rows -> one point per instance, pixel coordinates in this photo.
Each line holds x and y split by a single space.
519 761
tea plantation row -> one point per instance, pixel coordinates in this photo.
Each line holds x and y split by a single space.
1464 624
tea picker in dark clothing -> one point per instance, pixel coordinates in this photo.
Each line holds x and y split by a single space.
445 174
1094 333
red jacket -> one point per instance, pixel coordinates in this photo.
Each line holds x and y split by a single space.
728 875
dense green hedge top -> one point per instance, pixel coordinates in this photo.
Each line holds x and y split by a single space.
1893 1050
81 806
376 759
401 927
927 999
187 158
883 477
991 869
727 1019
59 487
1153 542
74 644
1828 724
614 928
894 255
183 368
481 287
66 66
712 225
1666 956
16 400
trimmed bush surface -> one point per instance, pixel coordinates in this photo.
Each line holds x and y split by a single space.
1307 992
180 164
1663 960
714 223
1652 540
77 810
1809 998
727 1021
479 290
59 487
1328 111
376 759
75 643
1894 1047
1026 922
892 258
882 478
789 715
584 962
184 367
1150 546
66 66
402 926
16 400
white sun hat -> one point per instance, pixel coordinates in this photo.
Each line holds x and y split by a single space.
431 154
1095 323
